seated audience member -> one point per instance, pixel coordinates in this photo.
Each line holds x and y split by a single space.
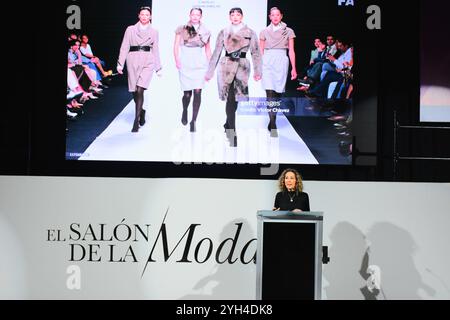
333 71
345 83
314 71
75 92
315 52
82 73
92 61
345 57
331 46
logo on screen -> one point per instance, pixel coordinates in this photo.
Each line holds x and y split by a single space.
346 3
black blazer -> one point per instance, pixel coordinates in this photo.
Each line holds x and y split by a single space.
299 201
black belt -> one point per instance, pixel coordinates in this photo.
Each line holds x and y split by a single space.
140 48
236 55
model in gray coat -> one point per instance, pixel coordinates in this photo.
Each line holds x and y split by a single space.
140 52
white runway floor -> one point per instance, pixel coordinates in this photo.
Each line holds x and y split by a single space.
165 139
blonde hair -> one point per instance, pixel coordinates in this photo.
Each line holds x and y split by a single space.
298 177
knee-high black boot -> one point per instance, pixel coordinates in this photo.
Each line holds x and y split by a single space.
230 126
186 100
272 97
139 118
196 107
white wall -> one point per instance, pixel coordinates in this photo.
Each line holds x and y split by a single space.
404 225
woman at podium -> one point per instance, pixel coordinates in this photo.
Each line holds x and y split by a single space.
291 196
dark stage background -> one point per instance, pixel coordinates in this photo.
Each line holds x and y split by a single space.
435 46
387 77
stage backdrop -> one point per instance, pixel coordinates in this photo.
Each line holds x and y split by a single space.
97 238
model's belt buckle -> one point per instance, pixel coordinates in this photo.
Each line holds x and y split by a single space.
235 55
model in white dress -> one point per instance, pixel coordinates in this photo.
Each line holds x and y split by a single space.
192 54
277 47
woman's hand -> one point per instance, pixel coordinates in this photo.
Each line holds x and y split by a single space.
159 73
178 64
296 211
276 209
331 58
120 69
257 78
207 78
294 74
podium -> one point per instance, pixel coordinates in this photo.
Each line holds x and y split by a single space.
289 255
